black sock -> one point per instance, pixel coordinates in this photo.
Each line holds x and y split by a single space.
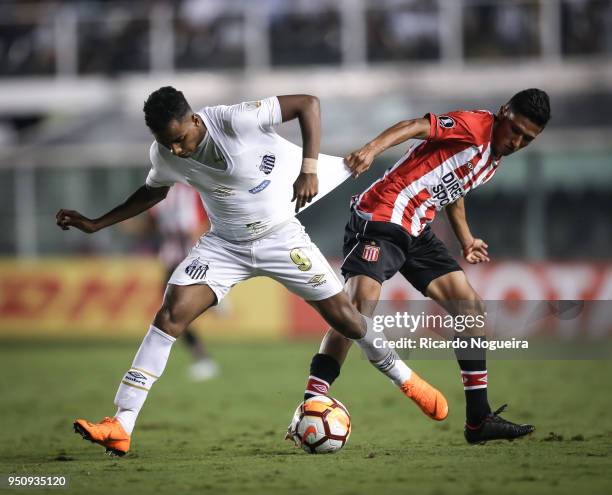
473 363
324 369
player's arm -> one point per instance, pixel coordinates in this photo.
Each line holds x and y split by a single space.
143 199
360 160
474 250
307 110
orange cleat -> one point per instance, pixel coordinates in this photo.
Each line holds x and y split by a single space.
430 400
109 433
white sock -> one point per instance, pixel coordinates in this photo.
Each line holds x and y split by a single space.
147 367
381 356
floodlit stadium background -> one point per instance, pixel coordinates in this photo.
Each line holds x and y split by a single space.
74 75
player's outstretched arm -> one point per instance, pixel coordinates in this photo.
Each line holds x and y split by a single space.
360 160
307 110
143 199
474 250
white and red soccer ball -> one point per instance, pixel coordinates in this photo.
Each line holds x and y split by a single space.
320 425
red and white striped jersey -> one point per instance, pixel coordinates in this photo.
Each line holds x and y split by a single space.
455 158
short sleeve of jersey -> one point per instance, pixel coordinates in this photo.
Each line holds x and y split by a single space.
262 115
160 174
467 126
237 125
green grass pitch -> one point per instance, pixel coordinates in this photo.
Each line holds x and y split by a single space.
226 436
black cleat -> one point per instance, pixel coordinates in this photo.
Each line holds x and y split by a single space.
494 427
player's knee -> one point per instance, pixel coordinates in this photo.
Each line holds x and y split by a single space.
351 324
363 293
342 316
469 303
479 306
364 306
168 319
474 308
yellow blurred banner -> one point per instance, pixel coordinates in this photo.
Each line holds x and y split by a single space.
118 297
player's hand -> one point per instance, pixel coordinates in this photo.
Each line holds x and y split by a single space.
305 187
70 218
359 161
476 252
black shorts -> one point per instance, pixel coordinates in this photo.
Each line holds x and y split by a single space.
381 249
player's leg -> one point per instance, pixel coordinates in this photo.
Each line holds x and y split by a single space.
344 318
363 292
454 293
182 304
364 281
296 262
203 367
203 278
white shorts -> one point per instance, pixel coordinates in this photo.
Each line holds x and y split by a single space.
287 255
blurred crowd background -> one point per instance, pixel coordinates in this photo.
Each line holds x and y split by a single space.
74 75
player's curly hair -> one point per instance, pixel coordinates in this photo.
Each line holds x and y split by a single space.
532 103
163 106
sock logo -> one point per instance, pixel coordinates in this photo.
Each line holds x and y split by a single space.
473 380
322 389
387 363
136 378
136 374
317 387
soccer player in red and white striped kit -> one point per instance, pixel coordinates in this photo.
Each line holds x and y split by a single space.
388 231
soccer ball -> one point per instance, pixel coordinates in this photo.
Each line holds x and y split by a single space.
320 425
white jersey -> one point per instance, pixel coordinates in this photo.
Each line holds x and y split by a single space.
243 170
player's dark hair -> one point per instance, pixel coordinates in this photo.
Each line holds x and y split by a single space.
532 103
163 106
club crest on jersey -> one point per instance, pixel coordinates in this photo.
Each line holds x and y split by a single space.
267 163
260 187
370 252
197 269
446 122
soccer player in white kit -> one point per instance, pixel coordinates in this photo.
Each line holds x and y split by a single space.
248 177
